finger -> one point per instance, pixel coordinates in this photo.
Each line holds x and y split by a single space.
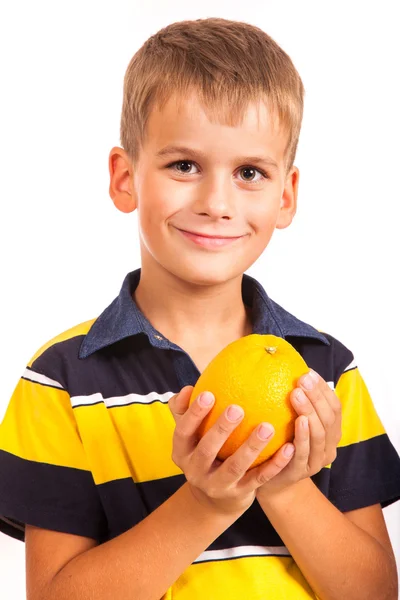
317 437
301 459
316 389
336 432
178 403
213 440
328 408
263 473
305 408
298 460
185 436
235 467
333 400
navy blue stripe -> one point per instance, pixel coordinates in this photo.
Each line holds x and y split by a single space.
122 499
328 361
51 497
365 473
129 366
120 496
66 499
133 365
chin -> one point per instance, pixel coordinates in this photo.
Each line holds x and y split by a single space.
206 273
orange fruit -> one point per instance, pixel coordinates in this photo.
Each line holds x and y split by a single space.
257 372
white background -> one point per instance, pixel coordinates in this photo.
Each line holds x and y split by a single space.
65 249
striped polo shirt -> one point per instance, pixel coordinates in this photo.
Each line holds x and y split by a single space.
86 442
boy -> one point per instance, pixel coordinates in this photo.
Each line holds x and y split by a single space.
101 471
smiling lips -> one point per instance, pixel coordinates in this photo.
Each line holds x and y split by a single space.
208 241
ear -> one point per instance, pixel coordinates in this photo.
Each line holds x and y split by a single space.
121 189
289 199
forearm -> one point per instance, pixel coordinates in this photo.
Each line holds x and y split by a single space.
338 559
142 563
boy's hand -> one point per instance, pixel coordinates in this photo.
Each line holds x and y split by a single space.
317 434
227 487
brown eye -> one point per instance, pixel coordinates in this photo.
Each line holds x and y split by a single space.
250 172
182 166
183 162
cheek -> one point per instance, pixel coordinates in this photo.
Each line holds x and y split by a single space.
263 217
152 204
160 199
157 206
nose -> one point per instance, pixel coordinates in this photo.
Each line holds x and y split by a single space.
215 198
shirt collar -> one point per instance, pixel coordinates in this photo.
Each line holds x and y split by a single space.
122 318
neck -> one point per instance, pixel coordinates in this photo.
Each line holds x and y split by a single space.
183 312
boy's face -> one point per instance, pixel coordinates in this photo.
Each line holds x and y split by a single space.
215 190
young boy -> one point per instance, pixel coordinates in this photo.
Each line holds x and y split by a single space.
101 470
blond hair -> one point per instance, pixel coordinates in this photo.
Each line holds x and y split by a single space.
228 63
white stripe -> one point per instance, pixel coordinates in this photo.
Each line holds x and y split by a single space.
130 398
352 365
39 378
121 400
241 552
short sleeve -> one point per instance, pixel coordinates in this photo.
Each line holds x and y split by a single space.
366 470
45 480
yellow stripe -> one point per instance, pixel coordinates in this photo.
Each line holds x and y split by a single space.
139 439
253 577
360 420
39 425
81 329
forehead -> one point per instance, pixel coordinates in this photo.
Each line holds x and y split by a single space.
187 121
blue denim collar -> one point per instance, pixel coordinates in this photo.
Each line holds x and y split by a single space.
122 318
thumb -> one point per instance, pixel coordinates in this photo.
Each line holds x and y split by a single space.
178 403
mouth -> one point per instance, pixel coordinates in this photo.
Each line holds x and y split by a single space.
209 241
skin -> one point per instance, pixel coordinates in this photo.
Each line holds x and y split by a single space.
341 555
212 196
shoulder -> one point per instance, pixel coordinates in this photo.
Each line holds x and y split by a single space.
73 333
59 356
342 357
323 352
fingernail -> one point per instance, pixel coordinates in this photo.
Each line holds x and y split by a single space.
265 432
307 382
314 375
288 450
234 413
300 396
206 398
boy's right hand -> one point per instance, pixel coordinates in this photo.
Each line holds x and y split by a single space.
225 486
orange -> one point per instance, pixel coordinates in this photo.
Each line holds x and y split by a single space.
257 372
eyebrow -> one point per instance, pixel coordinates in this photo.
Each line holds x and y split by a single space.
256 160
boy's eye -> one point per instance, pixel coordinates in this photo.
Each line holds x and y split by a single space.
179 163
248 171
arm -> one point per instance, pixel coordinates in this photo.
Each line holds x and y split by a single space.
336 555
342 555
141 563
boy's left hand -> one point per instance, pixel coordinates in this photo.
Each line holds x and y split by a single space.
317 434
